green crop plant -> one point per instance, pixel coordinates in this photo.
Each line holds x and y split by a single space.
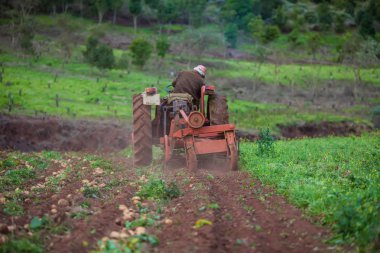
337 178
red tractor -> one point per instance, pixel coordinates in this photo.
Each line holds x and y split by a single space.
180 126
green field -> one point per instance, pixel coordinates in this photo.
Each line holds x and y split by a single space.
336 179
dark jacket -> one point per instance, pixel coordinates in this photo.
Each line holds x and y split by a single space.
189 82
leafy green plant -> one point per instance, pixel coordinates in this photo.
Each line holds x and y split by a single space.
162 47
336 178
15 177
141 50
51 155
38 223
141 222
25 245
158 189
265 143
12 208
91 192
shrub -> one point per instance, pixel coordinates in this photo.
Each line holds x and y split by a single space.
230 34
162 47
271 33
141 50
26 37
123 62
265 143
98 54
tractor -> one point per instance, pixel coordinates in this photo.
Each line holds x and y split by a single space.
179 126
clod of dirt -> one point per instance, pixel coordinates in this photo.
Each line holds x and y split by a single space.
63 202
53 211
12 228
115 235
98 171
136 200
168 221
122 207
3 239
140 230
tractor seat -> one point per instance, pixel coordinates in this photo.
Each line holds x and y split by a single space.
179 96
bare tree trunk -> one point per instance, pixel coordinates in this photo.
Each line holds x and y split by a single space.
114 16
54 10
100 17
135 23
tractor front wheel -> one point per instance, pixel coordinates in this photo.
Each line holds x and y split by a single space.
142 132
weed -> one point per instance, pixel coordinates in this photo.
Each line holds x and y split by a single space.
79 215
51 155
8 163
38 223
85 204
26 245
213 206
15 177
158 189
12 208
210 177
141 222
106 165
265 143
91 192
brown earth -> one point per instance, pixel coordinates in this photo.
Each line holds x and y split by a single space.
53 133
323 128
249 217
245 215
103 136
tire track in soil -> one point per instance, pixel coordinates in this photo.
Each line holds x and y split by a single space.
250 217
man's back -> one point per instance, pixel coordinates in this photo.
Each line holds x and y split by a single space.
189 82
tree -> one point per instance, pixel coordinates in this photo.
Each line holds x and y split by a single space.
256 27
314 43
26 37
325 16
98 54
104 58
238 12
115 5
230 34
265 8
366 27
102 6
162 47
339 24
68 38
279 18
135 8
141 50
166 12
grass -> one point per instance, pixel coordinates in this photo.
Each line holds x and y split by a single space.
337 179
248 115
293 74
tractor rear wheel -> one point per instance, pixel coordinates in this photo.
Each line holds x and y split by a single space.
217 109
142 132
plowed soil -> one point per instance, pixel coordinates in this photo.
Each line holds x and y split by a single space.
53 133
245 216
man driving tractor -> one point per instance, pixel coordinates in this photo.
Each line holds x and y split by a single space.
191 82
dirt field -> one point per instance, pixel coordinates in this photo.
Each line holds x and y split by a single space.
36 133
243 215
52 133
